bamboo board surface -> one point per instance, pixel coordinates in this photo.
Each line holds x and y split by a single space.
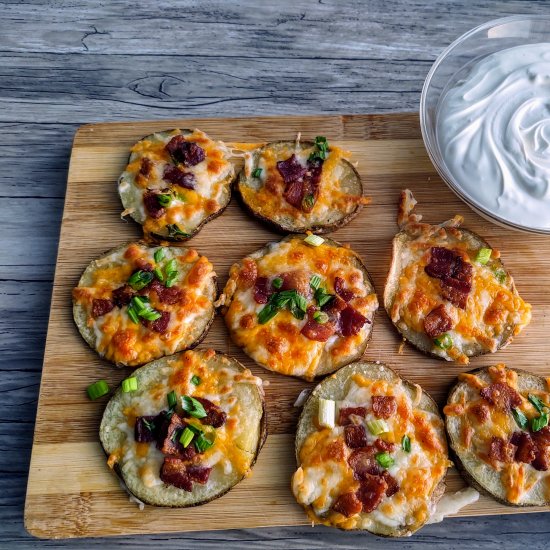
71 492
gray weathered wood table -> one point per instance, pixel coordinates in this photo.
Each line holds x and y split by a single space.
68 63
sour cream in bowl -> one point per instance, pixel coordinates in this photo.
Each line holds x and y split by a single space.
485 118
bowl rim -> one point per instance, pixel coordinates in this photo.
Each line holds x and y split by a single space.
441 170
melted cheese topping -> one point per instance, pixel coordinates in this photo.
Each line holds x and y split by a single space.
324 472
493 307
115 336
519 479
267 200
278 344
234 443
189 207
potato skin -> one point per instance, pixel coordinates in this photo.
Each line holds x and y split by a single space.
286 227
452 437
332 387
117 470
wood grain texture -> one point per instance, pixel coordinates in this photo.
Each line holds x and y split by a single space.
89 502
67 63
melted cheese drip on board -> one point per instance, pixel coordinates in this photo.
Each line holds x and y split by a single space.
233 448
278 343
118 338
518 478
491 306
324 472
192 205
268 200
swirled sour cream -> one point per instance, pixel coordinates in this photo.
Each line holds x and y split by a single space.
493 130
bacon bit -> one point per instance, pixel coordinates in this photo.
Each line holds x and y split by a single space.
526 448
384 406
158 325
393 486
344 293
384 446
318 332
345 416
262 290
146 166
301 182
185 152
348 505
152 205
542 441
123 295
502 396
351 321
214 415
200 474
371 492
437 322
297 280
167 295
101 307
174 472
291 170
168 442
481 411
142 433
247 274
355 436
501 451
175 176
363 463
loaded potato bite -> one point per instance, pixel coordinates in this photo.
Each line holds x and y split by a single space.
175 182
371 452
303 306
137 302
448 292
186 430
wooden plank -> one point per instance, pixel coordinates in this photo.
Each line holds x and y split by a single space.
390 156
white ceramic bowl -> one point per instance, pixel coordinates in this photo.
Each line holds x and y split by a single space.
452 65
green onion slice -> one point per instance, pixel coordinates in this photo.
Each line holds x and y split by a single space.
384 459
277 283
140 279
309 200
129 384
520 418
315 282
186 437
500 275
158 274
322 296
483 255
164 199
267 313
192 407
97 389
444 341
202 443
132 314
536 402
321 317
174 231
539 422
406 443
377 427
159 255
314 240
195 380
327 413
257 173
172 399
150 315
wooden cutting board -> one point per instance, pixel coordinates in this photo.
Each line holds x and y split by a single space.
71 492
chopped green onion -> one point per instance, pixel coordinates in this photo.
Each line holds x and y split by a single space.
315 282
195 380
150 315
172 399
164 199
500 275
301 302
267 313
483 255
159 255
536 402
132 314
539 422
309 200
520 418
171 279
322 296
171 266
97 389
138 303
406 443
195 430
321 141
444 341
140 279
193 407
257 173
296 311
377 427
158 274
384 459
186 437
202 443
129 384
314 240
174 231
277 283
327 413
321 317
